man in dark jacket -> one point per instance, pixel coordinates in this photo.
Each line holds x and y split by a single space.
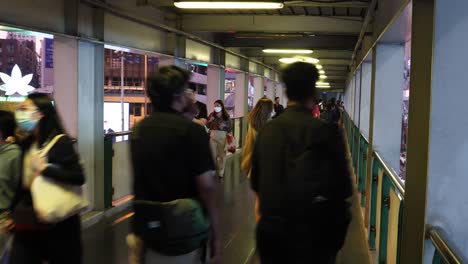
278 107
300 173
173 176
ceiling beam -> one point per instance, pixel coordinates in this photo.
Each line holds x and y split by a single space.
323 62
357 4
318 42
348 4
266 23
318 53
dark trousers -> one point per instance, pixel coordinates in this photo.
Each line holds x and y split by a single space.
59 244
276 244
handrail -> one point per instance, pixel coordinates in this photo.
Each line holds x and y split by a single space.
438 238
364 137
118 134
391 173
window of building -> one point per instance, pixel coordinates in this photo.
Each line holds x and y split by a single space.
30 53
10 48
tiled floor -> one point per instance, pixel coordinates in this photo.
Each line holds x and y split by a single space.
105 241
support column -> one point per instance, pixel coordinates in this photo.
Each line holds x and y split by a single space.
241 106
388 110
79 97
281 93
66 82
259 84
370 148
271 86
214 90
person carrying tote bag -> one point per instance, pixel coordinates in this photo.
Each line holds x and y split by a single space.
48 156
54 201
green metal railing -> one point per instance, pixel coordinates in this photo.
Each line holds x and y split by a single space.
386 196
387 192
444 252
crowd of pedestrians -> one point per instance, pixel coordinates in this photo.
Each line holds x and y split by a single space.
294 157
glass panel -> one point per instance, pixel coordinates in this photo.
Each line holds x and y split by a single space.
230 92
26 65
404 126
125 100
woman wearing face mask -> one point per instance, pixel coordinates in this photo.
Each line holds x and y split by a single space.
219 124
258 117
35 241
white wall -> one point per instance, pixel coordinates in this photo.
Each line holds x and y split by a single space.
447 201
388 110
365 98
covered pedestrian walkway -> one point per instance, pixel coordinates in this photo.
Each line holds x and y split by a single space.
398 66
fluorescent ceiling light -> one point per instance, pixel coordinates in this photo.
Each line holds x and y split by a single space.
228 5
319 66
323 77
322 84
288 51
303 59
288 60
322 72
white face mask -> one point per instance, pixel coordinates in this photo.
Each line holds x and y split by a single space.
218 109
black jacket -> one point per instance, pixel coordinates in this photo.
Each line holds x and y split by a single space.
300 173
64 167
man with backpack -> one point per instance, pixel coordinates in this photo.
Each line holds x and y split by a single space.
175 192
300 174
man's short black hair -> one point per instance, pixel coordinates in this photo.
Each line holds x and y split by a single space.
300 78
167 82
276 98
7 124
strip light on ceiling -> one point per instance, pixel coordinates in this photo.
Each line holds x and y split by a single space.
293 60
320 84
322 72
228 5
288 51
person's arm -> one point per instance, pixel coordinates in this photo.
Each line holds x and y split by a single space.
200 121
202 117
64 163
210 120
9 178
203 167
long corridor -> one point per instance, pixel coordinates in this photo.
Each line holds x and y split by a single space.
105 241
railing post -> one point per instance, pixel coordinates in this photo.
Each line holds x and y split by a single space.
419 129
108 156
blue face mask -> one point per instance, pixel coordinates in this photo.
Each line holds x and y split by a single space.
24 120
